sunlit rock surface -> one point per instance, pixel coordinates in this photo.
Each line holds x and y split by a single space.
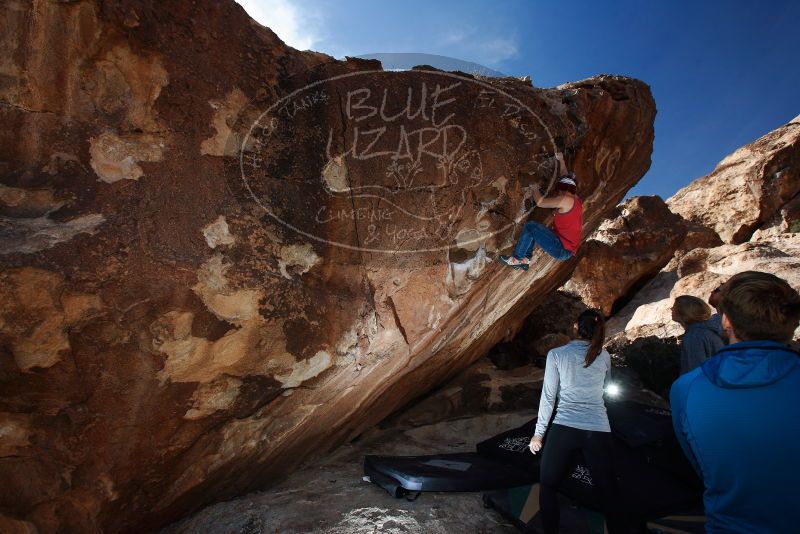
747 188
751 202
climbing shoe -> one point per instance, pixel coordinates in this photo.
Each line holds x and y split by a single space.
514 263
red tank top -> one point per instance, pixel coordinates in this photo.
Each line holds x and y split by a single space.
568 226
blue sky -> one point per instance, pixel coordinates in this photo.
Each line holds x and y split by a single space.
723 73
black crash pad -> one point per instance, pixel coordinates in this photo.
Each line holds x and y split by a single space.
442 472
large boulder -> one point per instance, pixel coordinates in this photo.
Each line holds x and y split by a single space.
631 245
220 256
747 188
698 274
751 202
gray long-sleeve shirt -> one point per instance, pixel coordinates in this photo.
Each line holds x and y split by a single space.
579 390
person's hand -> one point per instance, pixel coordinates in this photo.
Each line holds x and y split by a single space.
562 165
536 444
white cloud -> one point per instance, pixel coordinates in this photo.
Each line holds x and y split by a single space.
469 44
295 25
500 48
453 37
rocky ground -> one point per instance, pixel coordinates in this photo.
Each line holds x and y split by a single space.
329 496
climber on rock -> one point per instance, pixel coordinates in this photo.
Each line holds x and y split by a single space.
562 243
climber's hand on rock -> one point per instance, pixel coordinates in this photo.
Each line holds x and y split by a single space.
562 165
536 444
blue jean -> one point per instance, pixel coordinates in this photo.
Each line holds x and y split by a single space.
533 233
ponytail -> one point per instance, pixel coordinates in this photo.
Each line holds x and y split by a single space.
592 326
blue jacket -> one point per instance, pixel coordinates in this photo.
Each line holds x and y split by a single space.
737 418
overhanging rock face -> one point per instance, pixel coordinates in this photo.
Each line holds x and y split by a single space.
220 255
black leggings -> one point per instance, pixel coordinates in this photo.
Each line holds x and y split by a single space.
598 451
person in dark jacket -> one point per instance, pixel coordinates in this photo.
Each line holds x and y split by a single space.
702 338
737 416
716 317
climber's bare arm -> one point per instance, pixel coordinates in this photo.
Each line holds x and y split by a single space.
562 166
562 202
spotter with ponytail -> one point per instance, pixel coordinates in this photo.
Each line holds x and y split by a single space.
576 375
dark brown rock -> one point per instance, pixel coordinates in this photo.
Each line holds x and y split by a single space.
625 251
653 360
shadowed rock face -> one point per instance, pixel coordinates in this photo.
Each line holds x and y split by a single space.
220 256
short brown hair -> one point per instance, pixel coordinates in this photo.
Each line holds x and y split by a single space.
761 306
689 309
715 296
